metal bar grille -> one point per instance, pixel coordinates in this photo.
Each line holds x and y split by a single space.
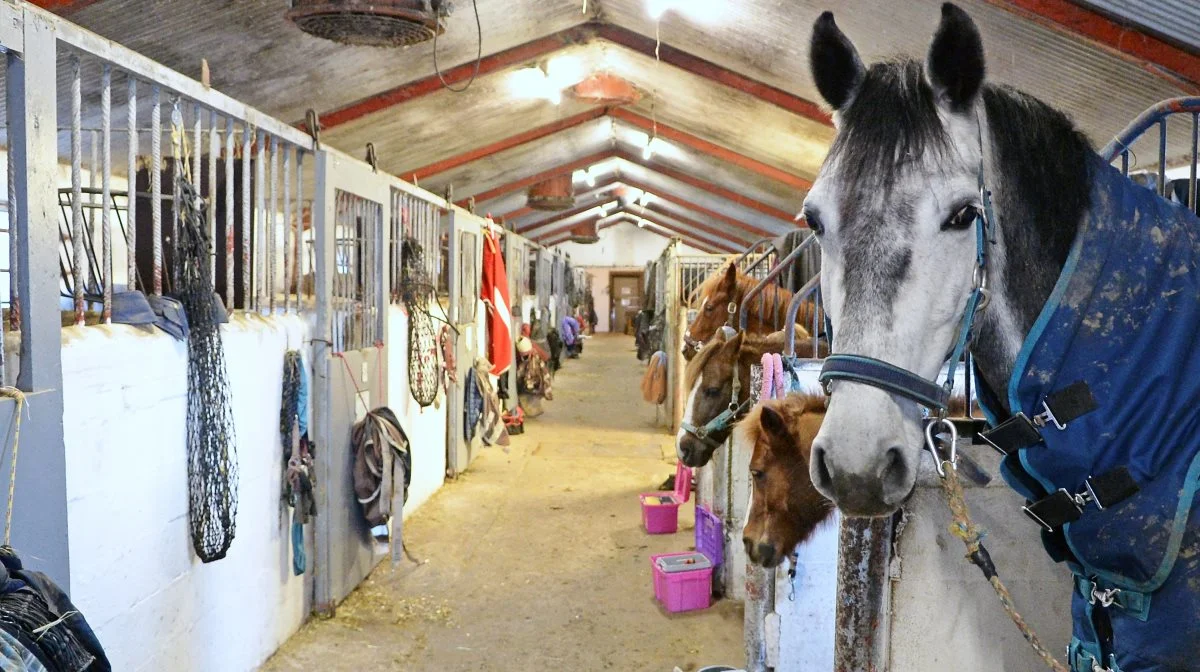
419 219
357 295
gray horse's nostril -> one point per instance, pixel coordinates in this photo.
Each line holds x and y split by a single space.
820 472
894 476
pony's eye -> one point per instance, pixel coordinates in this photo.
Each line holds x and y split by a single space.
757 475
814 223
709 307
962 219
712 392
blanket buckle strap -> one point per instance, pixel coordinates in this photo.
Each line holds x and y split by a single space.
1062 506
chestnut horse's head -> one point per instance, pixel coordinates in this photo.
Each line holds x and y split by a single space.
716 294
785 508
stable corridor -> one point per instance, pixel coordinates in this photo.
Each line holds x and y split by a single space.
536 558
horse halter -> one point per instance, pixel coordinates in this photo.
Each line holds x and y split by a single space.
724 420
895 380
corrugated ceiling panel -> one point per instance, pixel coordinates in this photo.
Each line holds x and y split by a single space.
1175 20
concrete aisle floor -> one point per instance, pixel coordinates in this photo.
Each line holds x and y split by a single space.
536 558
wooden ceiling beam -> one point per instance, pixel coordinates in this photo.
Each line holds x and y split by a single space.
543 47
1179 66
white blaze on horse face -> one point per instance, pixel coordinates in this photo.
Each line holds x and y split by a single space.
687 416
869 444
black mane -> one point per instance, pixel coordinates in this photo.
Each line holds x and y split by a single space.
892 119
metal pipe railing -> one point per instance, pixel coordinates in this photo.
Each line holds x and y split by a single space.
772 276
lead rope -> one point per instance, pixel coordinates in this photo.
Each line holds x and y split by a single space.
970 534
962 526
19 396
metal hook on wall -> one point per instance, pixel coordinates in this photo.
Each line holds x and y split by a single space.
372 158
313 122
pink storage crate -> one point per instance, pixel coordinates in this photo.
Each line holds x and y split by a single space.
710 536
660 510
682 581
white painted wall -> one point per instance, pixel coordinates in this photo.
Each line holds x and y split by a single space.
621 245
154 605
426 427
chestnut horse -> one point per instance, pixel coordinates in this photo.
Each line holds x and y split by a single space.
727 287
785 508
709 377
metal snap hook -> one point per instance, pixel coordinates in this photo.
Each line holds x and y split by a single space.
931 446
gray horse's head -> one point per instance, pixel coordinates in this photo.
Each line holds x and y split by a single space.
894 206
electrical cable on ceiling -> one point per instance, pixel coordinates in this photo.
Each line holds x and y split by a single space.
478 54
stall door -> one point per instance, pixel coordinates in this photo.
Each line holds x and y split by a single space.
465 258
349 372
626 297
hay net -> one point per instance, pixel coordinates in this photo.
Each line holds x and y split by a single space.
417 291
211 445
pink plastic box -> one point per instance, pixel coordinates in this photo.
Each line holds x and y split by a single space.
682 581
660 510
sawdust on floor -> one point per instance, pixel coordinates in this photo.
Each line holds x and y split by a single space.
536 559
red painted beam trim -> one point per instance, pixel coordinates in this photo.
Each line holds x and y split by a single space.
563 214
711 71
64 7
1161 58
716 190
545 46
700 243
651 210
690 238
710 148
684 203
756 231
507 143
422 87
538 177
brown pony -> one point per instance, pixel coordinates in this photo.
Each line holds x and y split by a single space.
709 379
785 508
727 286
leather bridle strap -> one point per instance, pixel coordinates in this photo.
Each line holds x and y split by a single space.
885 376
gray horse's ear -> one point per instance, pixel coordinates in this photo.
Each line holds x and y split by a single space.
834 62
955 63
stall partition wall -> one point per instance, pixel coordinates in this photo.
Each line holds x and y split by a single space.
349 362
516 262
467 316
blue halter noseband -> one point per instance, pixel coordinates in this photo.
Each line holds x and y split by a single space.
905 383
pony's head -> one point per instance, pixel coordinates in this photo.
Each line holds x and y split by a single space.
895 207
715 295
785 508
709 378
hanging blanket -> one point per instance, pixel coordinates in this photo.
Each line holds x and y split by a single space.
494 291
1120 326
377 469
30 601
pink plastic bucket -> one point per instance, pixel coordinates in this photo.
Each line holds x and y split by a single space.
660 510
679 587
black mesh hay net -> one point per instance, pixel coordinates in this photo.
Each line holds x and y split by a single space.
211 447
417 290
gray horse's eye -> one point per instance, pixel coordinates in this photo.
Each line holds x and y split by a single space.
814 222
961 219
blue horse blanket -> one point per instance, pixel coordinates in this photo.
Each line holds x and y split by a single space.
1124 318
